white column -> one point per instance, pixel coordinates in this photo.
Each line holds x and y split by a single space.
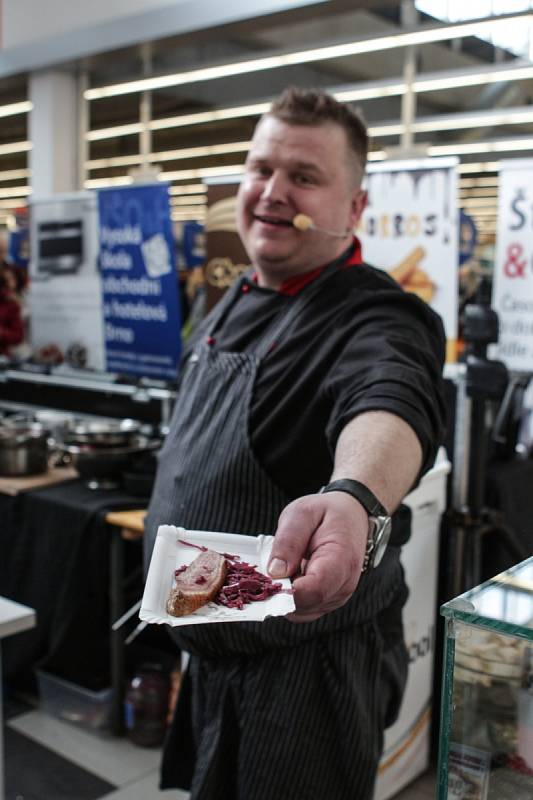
54 132
409 17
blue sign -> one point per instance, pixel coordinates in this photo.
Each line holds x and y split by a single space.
139 282
18 251
193 244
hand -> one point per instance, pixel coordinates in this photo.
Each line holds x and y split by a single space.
321 539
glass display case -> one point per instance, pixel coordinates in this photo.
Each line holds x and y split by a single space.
486 735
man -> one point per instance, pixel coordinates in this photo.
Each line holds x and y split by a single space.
313 369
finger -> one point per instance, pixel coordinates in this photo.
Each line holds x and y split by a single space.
296 526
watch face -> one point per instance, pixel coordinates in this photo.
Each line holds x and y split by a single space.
382 531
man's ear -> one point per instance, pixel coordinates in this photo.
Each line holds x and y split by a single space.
359 203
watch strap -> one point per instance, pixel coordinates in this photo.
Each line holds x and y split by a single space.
361 493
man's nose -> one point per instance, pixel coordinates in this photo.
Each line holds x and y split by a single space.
276 188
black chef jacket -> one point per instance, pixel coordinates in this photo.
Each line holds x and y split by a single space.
364 345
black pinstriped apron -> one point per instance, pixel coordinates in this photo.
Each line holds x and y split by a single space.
274 709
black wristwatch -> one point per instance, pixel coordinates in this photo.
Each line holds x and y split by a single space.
378 518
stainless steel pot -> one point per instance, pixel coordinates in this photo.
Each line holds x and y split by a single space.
96 433
23 450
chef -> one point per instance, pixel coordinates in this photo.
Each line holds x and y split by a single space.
309 404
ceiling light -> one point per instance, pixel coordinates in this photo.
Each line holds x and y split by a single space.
472 182
364 91
12 109
209 116
423 35
193 201
14 174
15 202
474 78
203 172
479 202
110 133
479 166
15 147
377 155
192 213
483 191
15 191
188 188
101 183
171 155
494 146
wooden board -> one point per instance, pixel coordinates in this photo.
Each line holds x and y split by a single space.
13 486
128 520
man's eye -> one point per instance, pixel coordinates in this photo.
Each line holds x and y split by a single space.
261 171
302 179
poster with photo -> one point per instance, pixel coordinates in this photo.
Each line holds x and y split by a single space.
139 281
512 292
65 293
410 229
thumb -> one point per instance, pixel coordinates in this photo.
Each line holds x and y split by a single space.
296 525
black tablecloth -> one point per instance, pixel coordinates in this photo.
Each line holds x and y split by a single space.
54 546
510 490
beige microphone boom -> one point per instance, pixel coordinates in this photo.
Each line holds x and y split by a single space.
303 222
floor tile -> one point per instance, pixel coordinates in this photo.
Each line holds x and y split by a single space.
33 772
115 760
424 788
146 789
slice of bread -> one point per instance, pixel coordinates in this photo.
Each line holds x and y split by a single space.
198 584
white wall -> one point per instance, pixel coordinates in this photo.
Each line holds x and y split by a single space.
43 33
25 21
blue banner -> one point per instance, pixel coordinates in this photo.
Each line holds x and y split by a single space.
139 281
193 243
467 237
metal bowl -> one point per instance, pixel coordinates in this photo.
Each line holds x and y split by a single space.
103 434
24 449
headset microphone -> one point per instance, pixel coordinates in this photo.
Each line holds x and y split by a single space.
303 222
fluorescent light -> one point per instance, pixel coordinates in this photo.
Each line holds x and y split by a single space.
482 191
423 35
479 166
494 146
115 161
483 212
377 155
473 78
209 116
15 191
14 174
15 147
15 202
171 155
101 183
192 213
364 91
12 109
203 172
188 200
472 182
111 133
189 188
479 202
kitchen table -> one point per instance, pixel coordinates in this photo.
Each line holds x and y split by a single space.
61 557
14 618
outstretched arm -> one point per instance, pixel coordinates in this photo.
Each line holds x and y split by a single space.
324 535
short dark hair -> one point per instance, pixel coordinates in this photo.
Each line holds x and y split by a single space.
297 106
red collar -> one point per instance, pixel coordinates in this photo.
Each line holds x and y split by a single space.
292 286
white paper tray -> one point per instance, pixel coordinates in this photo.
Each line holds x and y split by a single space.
169 554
